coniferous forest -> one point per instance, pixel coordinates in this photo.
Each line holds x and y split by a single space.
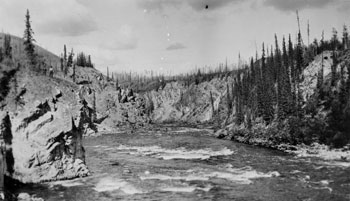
269 91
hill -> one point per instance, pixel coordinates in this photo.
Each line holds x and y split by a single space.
43 118
319 121
19 54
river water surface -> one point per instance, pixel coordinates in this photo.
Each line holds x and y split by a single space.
174 163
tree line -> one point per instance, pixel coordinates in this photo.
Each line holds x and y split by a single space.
270 89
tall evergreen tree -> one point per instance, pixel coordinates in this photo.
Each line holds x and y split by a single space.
228 100
7 46
308 33
238 101
107 74
293 73
89 63
299 67
334 55
286 82
28 40
70 58
334 39
73 75
345 37
64 54
1 54
62 64
280 81
94 115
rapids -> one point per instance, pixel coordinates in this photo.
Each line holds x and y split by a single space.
189 164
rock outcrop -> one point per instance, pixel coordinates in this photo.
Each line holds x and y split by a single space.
177 102
44 142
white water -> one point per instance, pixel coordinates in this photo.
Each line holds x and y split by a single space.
131 167
237 175
179 153
113 184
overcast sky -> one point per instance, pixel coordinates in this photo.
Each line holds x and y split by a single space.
168 35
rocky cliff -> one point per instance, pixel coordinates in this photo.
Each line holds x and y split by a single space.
44 120
44 139
177 102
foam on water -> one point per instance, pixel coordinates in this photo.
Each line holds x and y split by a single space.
66 183
167 177
186 130
179 153
187 189
335 164
112 184
323 152
236 175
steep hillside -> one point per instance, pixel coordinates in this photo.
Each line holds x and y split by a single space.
43 118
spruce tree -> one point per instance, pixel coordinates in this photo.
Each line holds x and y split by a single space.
238 100
73 75
89 63
345 37
1 54
280 82
228 100
94 115
299 62
28 40
7 46
64 54
293 73
320 74
286 82
70 58
334 55
334 40
107 74
62 64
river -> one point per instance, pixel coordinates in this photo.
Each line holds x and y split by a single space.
178 163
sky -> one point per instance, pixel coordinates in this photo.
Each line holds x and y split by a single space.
169 36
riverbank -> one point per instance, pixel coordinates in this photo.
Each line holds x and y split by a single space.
265 136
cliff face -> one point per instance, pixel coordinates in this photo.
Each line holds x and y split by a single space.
111 113
175 102
45 142
43 121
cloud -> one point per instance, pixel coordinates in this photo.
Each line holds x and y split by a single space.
197 5
125 39
69 26
292 5
50 16
157 5
176 46
125 45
